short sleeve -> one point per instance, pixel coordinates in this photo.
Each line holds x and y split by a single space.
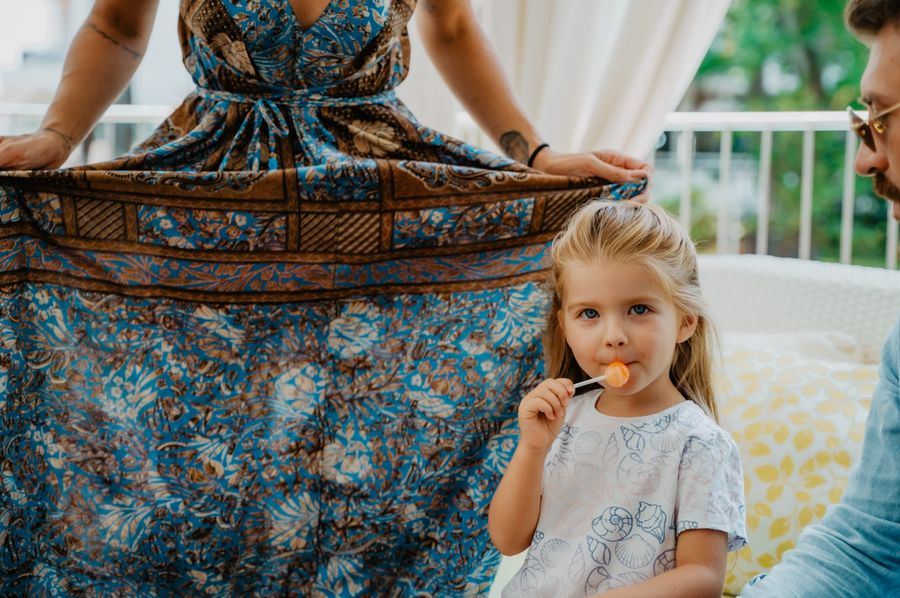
710 491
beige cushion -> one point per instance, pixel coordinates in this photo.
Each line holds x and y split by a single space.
799 423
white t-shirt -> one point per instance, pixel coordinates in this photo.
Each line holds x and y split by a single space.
618 490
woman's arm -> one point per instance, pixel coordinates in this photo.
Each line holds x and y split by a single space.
700 557
462 54
465 59
102 58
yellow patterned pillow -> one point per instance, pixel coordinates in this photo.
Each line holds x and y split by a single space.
799 424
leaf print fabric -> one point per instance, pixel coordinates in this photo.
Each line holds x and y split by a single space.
278 347
618 491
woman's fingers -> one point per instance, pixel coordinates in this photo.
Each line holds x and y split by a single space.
609 165
623 161
616 174
6 159
620 168
33 151
11 153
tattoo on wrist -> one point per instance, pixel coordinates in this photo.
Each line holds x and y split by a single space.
514 145
111 39
70 143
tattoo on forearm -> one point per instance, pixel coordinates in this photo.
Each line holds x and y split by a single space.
515 146
106 36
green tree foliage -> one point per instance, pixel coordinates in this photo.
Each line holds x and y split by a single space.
802 44
785 55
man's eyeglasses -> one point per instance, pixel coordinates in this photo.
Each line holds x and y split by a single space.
863 127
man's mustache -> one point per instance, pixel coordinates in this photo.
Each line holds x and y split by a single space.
885 188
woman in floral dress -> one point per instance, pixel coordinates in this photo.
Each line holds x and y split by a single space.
276 348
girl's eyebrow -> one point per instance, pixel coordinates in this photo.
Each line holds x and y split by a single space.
629 301
579 305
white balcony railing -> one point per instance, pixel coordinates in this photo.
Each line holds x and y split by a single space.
677 162
687 124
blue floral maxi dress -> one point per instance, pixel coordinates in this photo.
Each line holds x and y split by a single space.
277 348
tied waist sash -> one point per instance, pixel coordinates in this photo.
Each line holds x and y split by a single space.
266 105
269 109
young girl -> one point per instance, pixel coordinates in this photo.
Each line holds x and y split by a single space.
630 491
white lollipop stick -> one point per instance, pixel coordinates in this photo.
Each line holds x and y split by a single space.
591 381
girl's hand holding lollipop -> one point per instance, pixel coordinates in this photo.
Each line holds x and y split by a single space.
543 410
542 413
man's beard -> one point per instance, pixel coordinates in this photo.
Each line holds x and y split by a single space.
887 190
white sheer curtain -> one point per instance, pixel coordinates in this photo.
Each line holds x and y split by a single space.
424 91
591 74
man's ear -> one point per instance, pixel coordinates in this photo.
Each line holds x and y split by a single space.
688 327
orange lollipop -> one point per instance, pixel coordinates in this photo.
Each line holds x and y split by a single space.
617 374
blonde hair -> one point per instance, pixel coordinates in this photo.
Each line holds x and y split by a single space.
643 235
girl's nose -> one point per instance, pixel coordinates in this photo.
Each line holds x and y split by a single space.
614 337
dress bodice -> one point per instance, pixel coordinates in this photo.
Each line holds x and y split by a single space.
356 48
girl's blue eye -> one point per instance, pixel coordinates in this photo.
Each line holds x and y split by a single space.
640 309
588 314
